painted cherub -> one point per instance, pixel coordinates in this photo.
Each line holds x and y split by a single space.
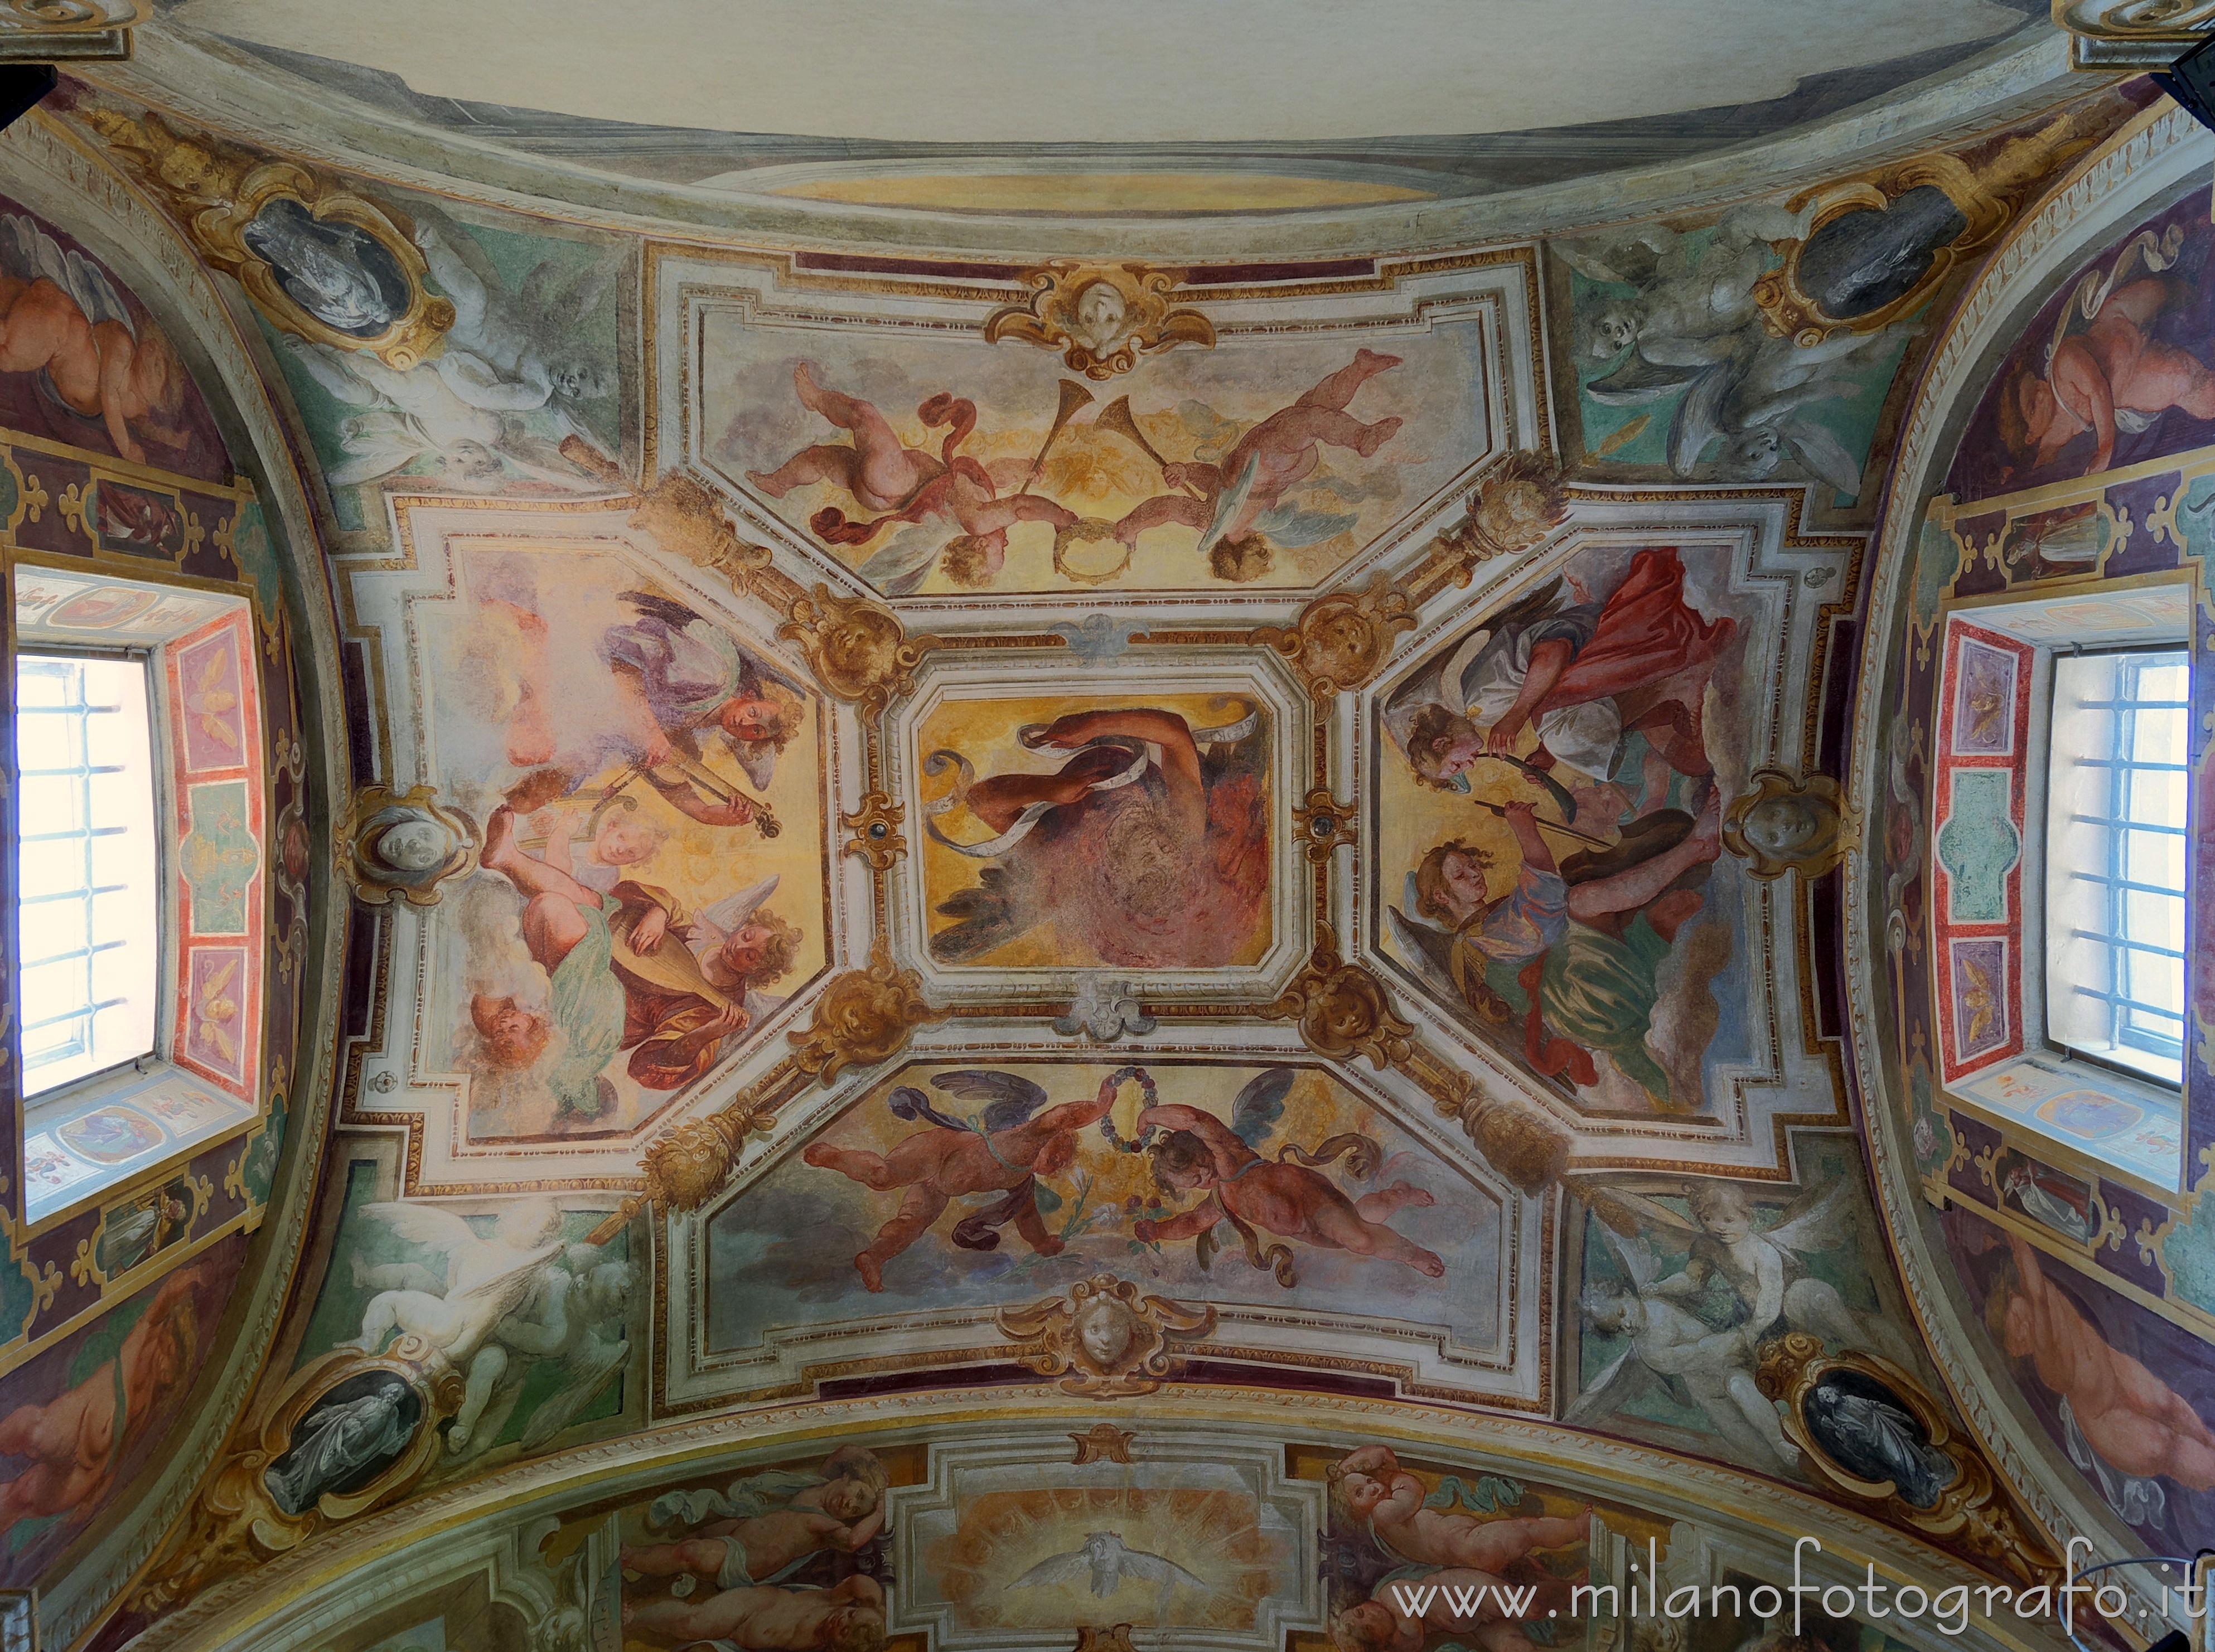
905 484
1374 1484
1763 1269
850 1618
748 1550
621 838
1456 1601
1005 1152
1283 1196
2134 1422
2114 374
61 316
1239 505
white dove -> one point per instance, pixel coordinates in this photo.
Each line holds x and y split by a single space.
1106 1558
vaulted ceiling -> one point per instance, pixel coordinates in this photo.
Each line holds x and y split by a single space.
1152 784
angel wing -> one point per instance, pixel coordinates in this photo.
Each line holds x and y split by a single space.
1074 1567
1626 1380
1254 1114
436 1230
1010 1100
221 978
1634 261
1435 684
900 568
1137 1563
553 310
95 293
1698 419
1822 453
30 253
1821 1221
1640 380
1631 1219
1635 1256
585 1373
733 911
1295 525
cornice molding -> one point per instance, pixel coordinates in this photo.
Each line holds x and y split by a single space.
231 91
283 1605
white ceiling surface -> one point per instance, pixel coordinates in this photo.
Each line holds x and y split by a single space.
1111 71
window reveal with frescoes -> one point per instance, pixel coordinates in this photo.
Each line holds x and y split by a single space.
141 874
2060 850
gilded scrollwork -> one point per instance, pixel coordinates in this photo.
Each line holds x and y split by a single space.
1916 202
857 649
348 1433
320 262
2132 33
1323 824
1866 1429
405 844
1105 1340
1103 1443
876 830
1102 317
864 1017
1342 1009
1341 639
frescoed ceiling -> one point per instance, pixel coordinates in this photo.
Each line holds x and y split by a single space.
1098 880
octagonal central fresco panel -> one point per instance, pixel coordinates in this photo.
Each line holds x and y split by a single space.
1551 774
1129 822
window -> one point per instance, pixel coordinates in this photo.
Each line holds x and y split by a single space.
90 898
2117 781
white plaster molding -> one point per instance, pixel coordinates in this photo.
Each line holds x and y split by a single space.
233 90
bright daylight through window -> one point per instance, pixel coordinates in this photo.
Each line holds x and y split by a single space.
2115 857
88 899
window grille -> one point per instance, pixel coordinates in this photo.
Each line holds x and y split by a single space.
89 904
2117 780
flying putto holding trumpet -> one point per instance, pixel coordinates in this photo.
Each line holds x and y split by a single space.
1236 489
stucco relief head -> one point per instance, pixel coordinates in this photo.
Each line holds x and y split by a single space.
1779 825
1103 316
1106 1330
416 846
